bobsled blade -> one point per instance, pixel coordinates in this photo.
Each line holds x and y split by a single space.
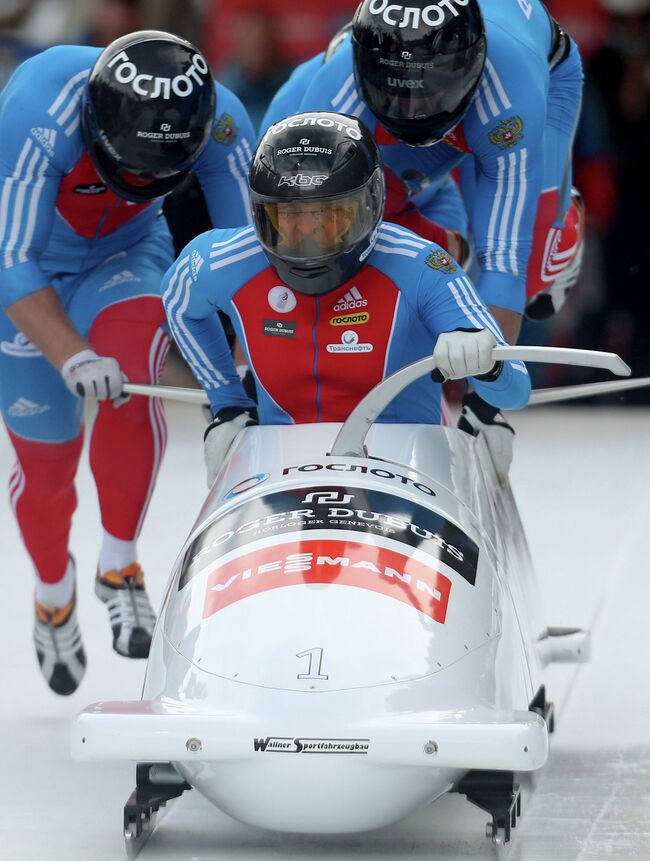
157 785
136 835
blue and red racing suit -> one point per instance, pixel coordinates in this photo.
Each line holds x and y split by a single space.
513 146
313 358
61 226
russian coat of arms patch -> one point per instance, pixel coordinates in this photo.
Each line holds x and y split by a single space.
439 259
508 133
224 129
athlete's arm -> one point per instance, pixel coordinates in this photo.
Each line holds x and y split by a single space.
448 301
505 129
34 152
192 297
42 318
222 169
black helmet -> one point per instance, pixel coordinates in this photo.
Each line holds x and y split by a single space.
147 114
317 193
418 65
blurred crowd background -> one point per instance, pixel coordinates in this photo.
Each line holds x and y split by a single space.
253 45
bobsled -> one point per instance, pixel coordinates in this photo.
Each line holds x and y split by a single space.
349 632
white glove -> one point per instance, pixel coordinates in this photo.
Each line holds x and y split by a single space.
477 418
88 375
219 436
465 353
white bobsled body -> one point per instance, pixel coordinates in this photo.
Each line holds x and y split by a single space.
342 638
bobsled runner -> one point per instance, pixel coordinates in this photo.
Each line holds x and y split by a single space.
349 632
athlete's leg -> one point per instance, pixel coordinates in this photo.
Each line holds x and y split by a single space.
126 450
44 424
560 221
120 310
120 307
128 441
43 499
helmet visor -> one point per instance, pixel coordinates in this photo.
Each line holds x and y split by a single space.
308 230
433 91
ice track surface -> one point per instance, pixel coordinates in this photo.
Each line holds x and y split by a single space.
582 480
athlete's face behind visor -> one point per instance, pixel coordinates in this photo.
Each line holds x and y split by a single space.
310 229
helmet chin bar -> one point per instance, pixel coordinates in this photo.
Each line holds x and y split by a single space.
308 280
315 280
429 140
108 173
311 273
324 277
321 279
420 132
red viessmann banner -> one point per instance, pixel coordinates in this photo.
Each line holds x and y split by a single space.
344 563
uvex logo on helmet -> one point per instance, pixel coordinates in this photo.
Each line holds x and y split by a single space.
324 122
433 15
154 86
406 83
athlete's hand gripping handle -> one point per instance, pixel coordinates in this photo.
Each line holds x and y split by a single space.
465 353
88 375
220 434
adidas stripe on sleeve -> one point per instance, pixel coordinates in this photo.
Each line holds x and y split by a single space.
190 297
37 123
506 133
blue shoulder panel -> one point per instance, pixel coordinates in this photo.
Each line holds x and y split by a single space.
40 141
224 165
208 272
